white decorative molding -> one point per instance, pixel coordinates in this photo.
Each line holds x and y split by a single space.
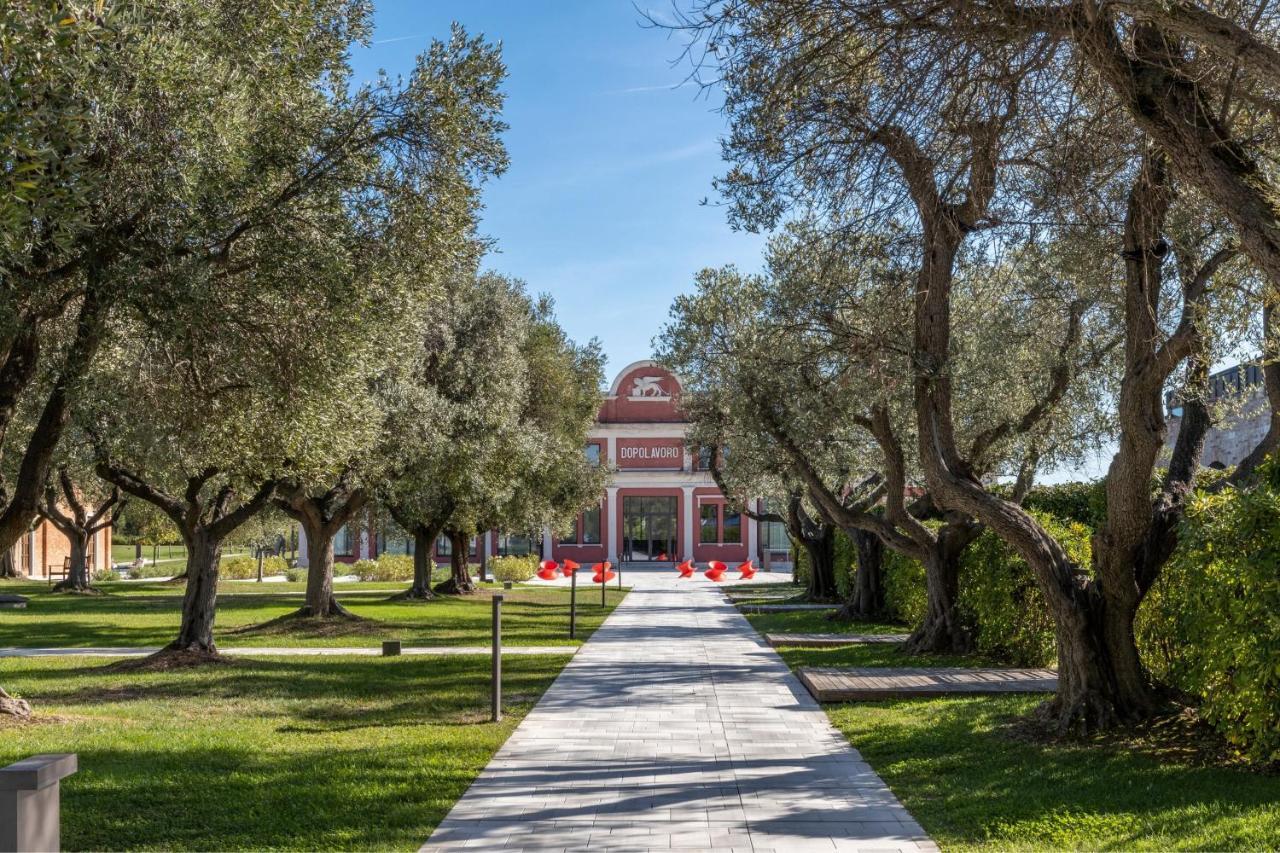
611 508
688 522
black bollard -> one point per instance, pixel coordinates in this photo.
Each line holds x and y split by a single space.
497 658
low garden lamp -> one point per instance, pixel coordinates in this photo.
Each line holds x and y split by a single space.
547 570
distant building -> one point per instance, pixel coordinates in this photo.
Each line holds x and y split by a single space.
43 550
662 506
1244 417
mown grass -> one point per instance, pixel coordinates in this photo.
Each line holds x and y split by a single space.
268 753
970 771
148 614
960 767
817 622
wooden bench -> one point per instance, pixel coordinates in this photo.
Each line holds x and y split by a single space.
56 571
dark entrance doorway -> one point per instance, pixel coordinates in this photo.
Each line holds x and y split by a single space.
649 528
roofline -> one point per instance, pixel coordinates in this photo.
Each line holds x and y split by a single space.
644 362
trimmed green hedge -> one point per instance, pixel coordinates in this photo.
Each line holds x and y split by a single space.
904 595
1000 599
1211 623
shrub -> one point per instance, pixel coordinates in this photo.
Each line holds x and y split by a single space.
388 567
514 569
1083 503
904 595
1211 624
100 575
154 570
998 593
295 574
237 568
243 568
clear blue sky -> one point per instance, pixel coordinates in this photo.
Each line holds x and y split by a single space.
610 159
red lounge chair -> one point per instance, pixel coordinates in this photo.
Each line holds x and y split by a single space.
602 573
686 569
748 570
568 567
715 571
547 570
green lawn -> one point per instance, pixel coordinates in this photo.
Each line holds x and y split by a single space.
148 614
816 622
269 753
161 553
957 767
962 768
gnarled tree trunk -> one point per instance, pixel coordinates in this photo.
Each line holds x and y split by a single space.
942 630
866 598
424 564
8 569
459 582
319 602
77 579
199 600
322 516
821 550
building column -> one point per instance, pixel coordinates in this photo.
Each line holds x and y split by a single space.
302 547
611 517
611 451
753 533
687 522
547 541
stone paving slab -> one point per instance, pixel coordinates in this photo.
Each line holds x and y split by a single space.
676 727
831 640
838 684
282 651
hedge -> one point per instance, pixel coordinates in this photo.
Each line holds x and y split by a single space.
1211 623
388 567
904 596
514 569
999 597
246 568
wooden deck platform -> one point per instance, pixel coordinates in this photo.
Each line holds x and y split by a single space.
832 684
824 641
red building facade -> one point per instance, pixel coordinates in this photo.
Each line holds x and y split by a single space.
661 507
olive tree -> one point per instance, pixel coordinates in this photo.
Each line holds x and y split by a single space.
975 166
132 149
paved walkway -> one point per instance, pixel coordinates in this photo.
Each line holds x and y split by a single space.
676 726
283 651
853 684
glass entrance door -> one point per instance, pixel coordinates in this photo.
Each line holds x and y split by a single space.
649 528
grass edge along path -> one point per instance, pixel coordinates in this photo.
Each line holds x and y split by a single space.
976 777
267 753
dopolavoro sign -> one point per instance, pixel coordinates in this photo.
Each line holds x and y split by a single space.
650 453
